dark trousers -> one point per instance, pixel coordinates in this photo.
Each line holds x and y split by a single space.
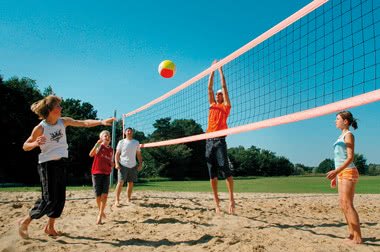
53 187
216 158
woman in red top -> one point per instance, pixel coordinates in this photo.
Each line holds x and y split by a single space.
101 169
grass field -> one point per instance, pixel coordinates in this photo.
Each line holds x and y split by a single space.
293 184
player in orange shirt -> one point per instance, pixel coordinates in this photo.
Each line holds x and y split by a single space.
216 148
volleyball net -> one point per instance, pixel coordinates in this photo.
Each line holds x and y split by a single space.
322 59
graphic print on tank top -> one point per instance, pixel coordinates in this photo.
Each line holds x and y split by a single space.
56 136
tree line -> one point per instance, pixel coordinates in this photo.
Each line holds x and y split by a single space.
179 162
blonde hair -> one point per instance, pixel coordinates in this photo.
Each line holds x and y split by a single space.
43 107
104 132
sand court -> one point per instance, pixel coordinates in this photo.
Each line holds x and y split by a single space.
167 221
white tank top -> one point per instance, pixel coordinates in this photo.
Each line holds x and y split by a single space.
56 143
340 152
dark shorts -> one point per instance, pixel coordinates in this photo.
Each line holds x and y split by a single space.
100 183
126 174
216 158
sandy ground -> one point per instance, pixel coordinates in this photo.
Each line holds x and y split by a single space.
161 221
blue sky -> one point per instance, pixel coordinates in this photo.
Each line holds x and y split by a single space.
107 53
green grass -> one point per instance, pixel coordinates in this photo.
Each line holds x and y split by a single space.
293 184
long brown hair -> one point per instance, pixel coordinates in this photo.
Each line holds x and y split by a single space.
347 115
43 107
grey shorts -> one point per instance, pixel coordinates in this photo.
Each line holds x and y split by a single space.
101 184
126 174
217 159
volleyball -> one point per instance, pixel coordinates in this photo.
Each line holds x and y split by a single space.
166 69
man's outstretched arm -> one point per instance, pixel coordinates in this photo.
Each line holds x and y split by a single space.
211 97
224 88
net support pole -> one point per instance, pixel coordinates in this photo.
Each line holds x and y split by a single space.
113 143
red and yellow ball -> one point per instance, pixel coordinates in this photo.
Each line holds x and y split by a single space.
166 69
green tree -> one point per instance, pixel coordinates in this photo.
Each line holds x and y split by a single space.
325 166
197 166
266 163
257 162
172 161
374 169
48 91
80 140
283 167
176 161
139 136
361 163
236 156
162 130
16 97
299 169
25 86
245 162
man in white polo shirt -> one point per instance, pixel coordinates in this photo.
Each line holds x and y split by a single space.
125 161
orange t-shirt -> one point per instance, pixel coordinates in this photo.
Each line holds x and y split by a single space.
217 117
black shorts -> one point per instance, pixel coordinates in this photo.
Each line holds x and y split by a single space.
216 158
101 184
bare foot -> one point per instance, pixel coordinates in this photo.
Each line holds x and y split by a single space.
217 207
117 204
23 230
356 240
99 219
231 210
352 240
52 231
104 216
350 237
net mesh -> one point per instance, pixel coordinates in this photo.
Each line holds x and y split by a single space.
329 55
